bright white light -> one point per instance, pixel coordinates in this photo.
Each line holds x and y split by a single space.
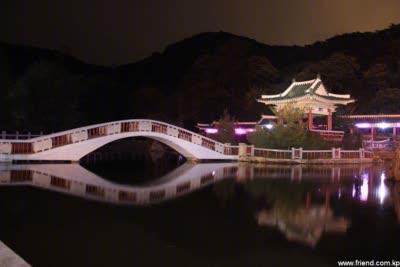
363 125
364 188
269 126
383 125
211 130
382 190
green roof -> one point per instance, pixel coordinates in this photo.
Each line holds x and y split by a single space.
298 90
303 89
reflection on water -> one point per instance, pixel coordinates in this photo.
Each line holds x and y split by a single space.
297 200
216 214
75 180
366 182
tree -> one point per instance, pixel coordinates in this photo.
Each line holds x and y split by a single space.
220 79
43 99
260 72
386 101
285 136
226 128
289 113
377 76
339 72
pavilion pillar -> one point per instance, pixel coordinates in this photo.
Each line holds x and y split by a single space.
394 131
373 133
329 120
310 119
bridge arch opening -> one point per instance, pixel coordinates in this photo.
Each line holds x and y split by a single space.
132 160
131 148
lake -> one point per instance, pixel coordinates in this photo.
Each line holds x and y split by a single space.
212 214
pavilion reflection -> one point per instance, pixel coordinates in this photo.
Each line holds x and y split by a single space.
304 225
297 200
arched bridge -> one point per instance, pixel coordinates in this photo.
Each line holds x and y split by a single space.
73 144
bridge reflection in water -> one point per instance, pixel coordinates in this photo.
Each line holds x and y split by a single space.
296 199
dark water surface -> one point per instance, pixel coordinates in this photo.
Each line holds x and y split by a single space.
214 214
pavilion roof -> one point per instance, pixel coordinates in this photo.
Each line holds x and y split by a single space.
305 90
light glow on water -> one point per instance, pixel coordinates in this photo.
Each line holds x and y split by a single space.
364 187
382 191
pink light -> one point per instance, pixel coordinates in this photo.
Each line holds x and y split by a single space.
240 131
363 125
211 130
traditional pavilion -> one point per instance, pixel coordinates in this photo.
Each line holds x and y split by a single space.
310 96
314 99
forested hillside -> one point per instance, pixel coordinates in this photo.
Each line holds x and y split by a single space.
193 80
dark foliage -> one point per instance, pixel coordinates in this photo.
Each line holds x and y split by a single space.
193 80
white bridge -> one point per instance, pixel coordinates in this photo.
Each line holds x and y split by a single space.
73 144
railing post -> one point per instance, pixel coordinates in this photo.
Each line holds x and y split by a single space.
297 153
362 154
17 135
227 149
242 149
335 153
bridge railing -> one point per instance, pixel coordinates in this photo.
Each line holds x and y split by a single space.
317 154
273 153
42 143
51 141
372 144
18 135
300 154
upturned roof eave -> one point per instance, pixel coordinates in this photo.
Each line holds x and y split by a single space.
311 97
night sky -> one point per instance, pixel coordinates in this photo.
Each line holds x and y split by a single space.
117 32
